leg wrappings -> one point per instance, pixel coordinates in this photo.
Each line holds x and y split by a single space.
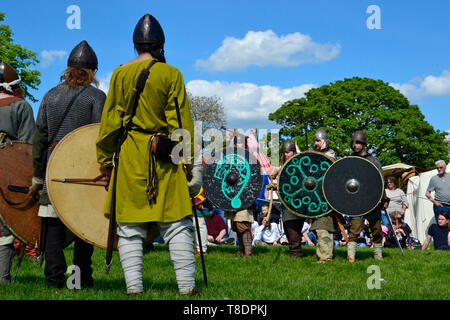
131 253
180 247
325 244
351 249
378 250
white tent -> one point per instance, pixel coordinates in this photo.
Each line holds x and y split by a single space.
419 216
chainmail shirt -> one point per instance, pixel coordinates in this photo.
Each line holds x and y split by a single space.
86 109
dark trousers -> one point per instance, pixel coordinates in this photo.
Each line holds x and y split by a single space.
293 230
55 261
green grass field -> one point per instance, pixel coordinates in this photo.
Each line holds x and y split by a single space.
269 275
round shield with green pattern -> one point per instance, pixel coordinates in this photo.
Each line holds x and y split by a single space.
300 184
233 180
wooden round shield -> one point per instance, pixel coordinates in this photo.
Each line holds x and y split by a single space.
18 209
300 184
233 180
353 186
75 191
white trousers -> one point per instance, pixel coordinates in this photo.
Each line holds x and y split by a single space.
178 235
203 234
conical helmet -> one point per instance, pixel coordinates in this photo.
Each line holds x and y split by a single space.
8 76
83 56
288 145
148 30
322 135
7 73
359 136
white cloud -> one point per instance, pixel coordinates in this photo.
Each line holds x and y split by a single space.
103 82
448 135
429 86
247 103
264 48
49 56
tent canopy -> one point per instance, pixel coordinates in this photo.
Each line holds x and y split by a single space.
401 171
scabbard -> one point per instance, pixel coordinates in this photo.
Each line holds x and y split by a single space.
197 227
112 218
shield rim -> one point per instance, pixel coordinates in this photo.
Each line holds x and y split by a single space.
36 203
261 180
382 188
278 185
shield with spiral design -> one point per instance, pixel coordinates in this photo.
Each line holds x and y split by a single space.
300 184
234 180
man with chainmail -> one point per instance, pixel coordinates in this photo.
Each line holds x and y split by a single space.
71 104
324 225
150 191
359 147
16 123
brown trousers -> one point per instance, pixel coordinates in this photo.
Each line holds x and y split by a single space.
357 225
293 229
244 234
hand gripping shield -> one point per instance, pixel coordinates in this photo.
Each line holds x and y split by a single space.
300 184
353 186
234 180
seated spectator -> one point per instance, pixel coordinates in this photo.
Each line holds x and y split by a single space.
439 233
364 239
338 238
308 237
266 233
401 231
217 229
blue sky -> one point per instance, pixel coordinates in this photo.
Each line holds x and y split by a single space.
255 55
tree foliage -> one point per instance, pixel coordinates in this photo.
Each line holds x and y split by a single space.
396 130
209 110
20 59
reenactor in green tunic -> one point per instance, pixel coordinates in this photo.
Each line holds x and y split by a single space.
136 208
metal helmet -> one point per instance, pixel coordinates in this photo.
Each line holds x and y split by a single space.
148 30
288 145
8 76
83 56
322 135
359 136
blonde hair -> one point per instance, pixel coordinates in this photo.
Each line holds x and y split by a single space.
76 77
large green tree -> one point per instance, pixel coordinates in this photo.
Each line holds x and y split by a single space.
20 59
396 130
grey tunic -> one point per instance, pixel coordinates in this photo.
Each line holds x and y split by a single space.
86 109
17 121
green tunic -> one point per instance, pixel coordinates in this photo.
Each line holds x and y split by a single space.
155 113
